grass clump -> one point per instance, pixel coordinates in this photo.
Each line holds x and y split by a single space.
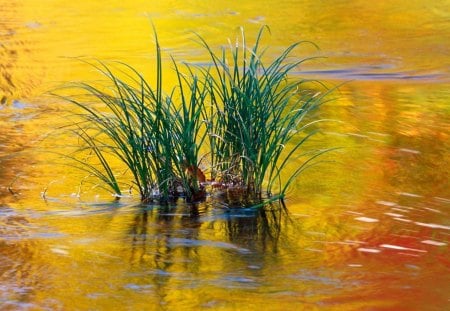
248 117
258 111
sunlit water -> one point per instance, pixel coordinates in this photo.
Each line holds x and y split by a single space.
368 229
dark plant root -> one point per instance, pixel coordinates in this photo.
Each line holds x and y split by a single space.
231 197
193 196
196 196
241 196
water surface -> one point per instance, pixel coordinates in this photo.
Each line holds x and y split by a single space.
368 229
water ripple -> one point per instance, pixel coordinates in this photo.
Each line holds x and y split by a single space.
364 73
193 243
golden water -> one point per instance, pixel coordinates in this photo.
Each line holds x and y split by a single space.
368 231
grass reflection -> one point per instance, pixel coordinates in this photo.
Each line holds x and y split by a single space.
165 235
159 232
258 228
191 247
164 247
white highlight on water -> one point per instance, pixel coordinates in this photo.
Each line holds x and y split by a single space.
386 203
409 150
366 219
397 247
368 250
408 194
59 251
394 214
435 243
434 226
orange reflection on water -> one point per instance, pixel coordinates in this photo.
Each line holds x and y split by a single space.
366 229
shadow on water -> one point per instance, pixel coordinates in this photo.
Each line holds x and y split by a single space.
193 245
185 226
159 227
260 228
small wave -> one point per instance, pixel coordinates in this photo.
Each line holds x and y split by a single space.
362 73
195 243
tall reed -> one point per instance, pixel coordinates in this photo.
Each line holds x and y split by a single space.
125 128
257 116
155 135
249 117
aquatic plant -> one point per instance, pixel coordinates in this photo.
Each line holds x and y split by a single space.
144 129
257 113
122 129
247 117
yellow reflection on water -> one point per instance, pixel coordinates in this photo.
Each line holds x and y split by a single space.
379 36
66 252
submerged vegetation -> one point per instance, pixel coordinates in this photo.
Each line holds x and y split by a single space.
242 116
